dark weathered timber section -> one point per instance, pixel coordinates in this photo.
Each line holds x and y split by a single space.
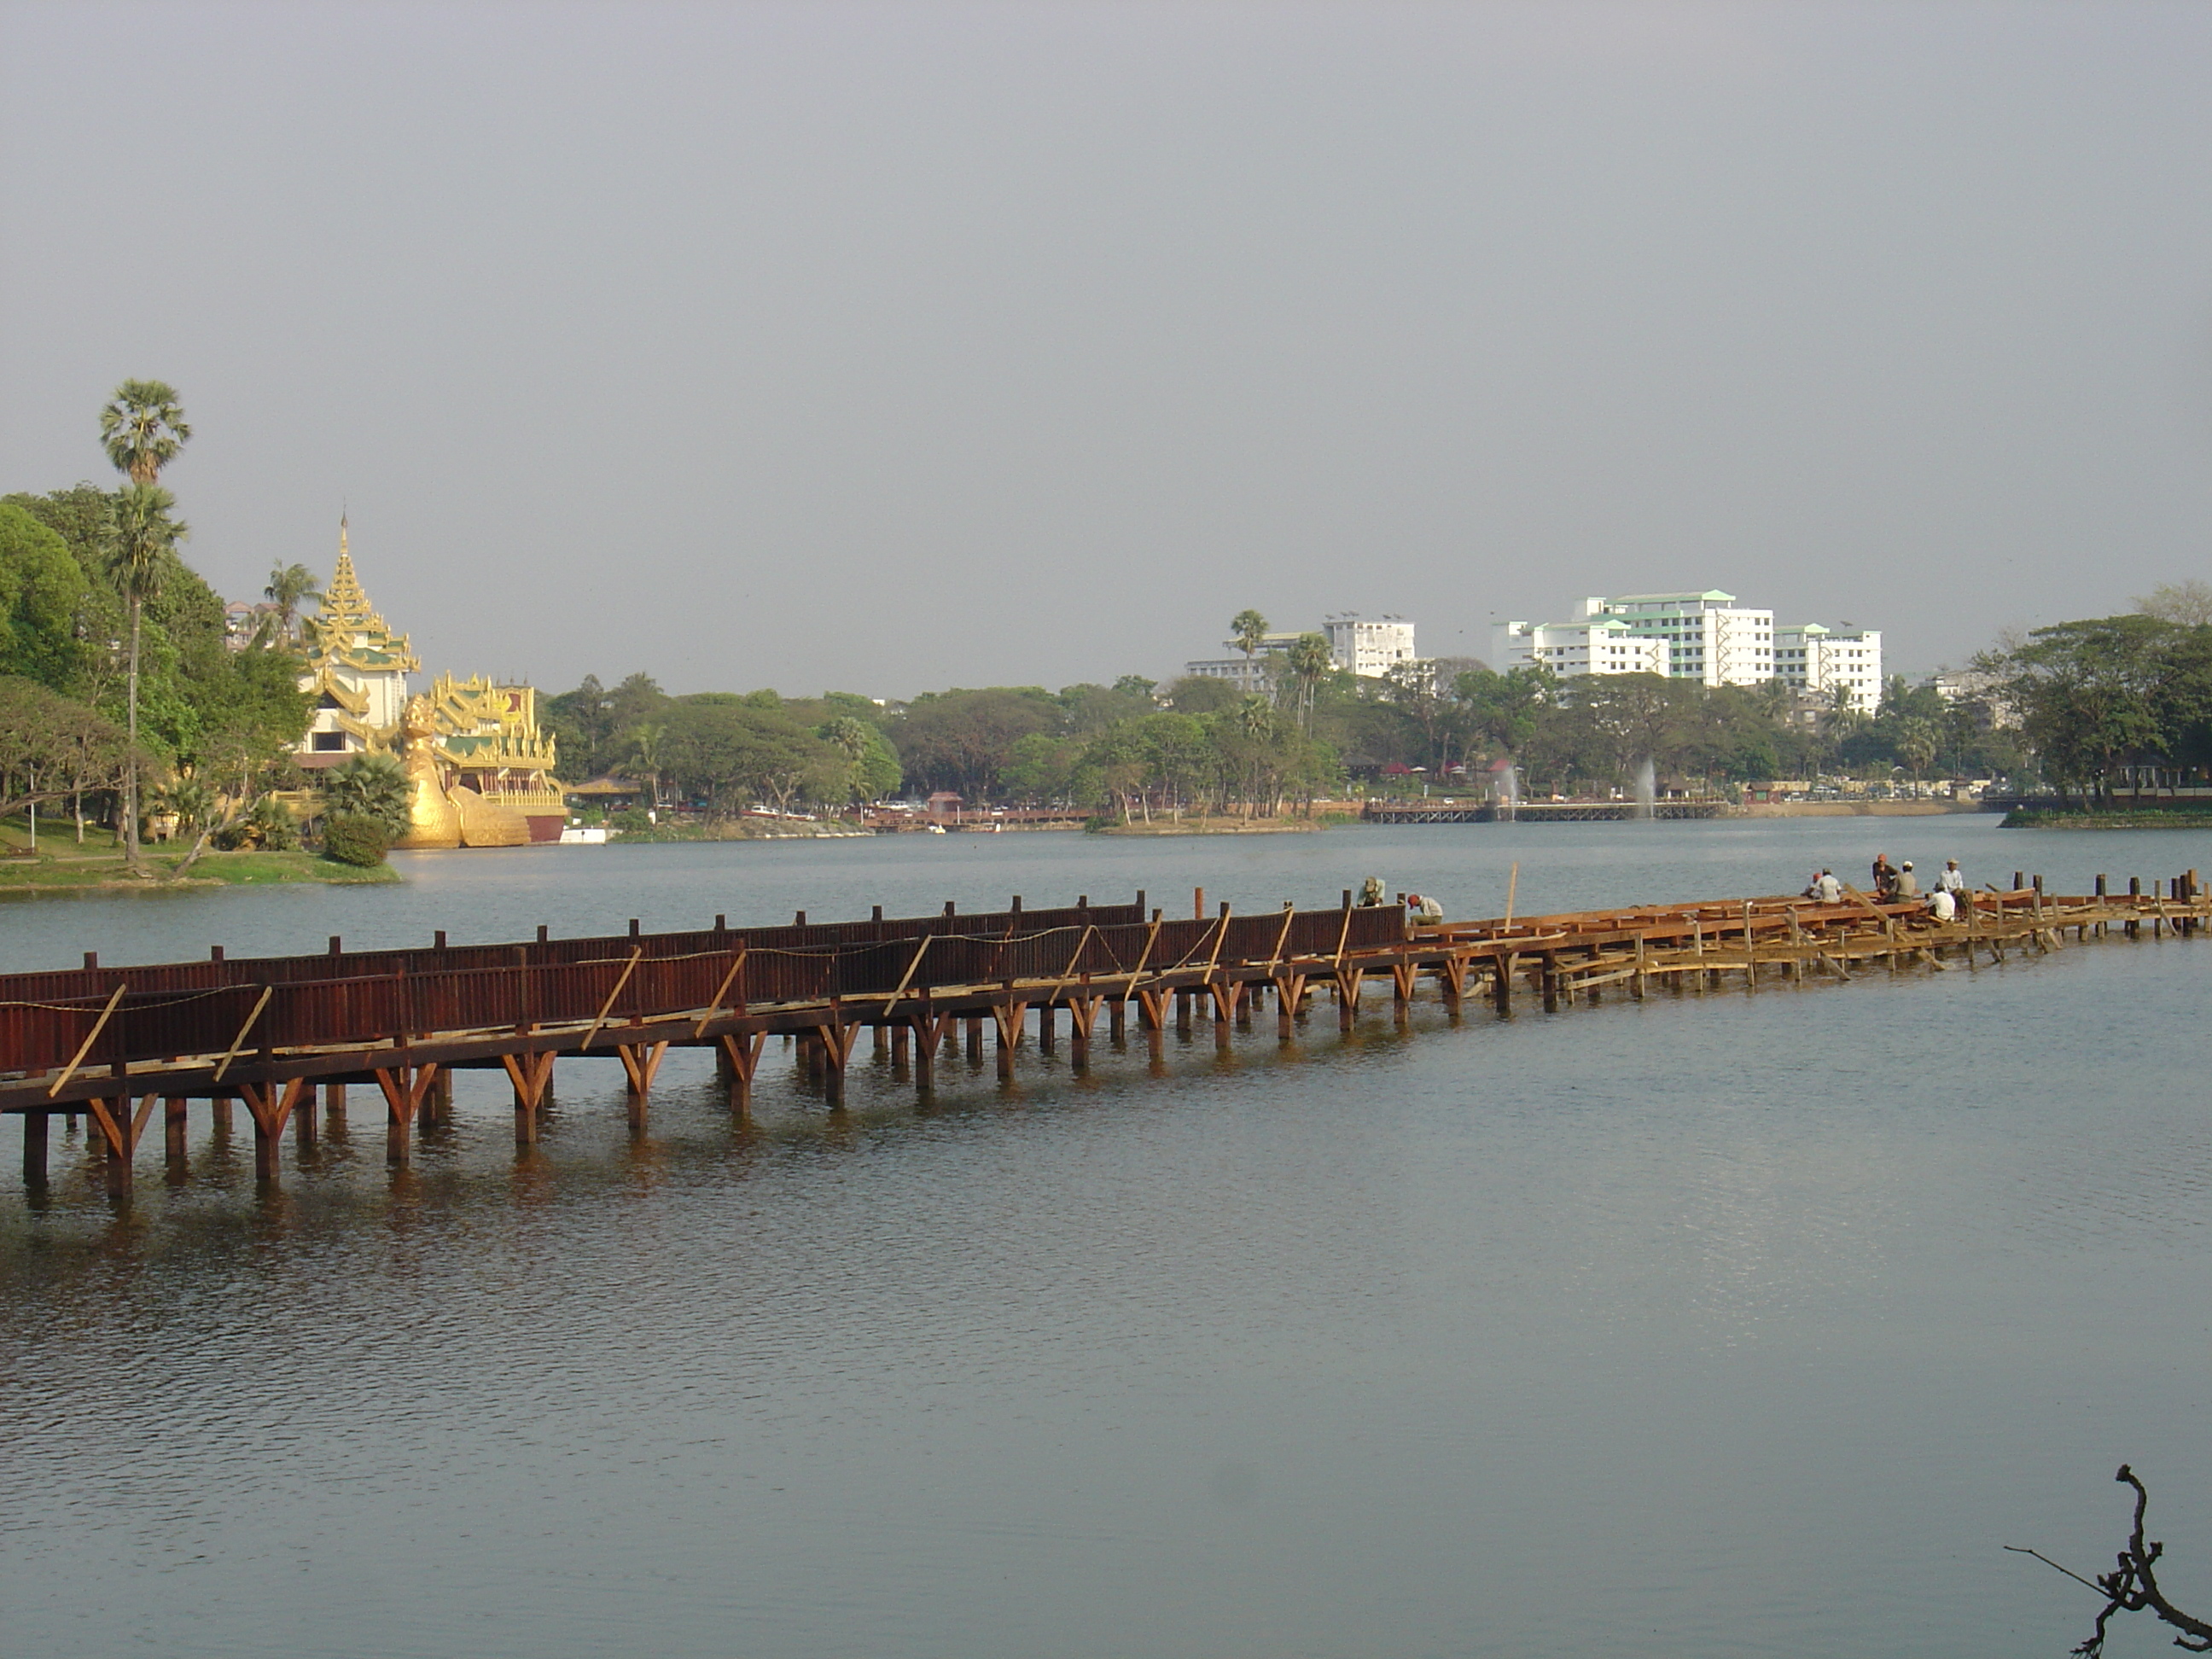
113 1044
1545 812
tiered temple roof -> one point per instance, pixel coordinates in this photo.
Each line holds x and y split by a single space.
484 727
356 666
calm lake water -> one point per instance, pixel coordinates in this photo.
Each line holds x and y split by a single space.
1707 1326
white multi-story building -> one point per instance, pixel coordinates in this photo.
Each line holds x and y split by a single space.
1709 638
1820 659
1706 637
1368 648
1245 674
1603 644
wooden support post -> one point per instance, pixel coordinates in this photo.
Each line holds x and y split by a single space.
1549 981
1348 981
334 1106
1117 1019
901 1035
532 1076
739 1055
975 1037
1501 987
173 1127
641 1063
219 1116
403 1101
35 1127
1227 997
1451 980
1290 992
1635 980
834 1042
1047 1037
1082 1016
270 1103
1402 977
303 1119
1182 1001
1009 1016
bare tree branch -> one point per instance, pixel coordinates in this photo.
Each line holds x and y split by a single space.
2132 1586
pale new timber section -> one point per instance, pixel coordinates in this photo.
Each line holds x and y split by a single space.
113 1044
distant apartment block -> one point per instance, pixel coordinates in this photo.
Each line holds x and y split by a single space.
1820 660
1706 637
1370 648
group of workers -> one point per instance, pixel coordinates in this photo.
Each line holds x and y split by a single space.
1894 883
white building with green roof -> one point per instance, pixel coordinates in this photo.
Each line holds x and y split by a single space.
1706 636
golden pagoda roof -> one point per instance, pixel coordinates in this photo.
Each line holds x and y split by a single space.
346 629
482 724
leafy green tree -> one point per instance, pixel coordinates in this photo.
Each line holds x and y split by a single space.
866 767
1088 708
732 749
1201 694
2096 696
52 747
44 594
963 740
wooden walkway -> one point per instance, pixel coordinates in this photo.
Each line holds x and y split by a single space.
115 1044
1537 811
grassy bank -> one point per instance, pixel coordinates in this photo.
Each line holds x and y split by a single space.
2034 818
64 867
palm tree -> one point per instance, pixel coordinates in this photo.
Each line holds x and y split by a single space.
370 786
1310 661
289 588
644 740
1248 628
145 539
143 427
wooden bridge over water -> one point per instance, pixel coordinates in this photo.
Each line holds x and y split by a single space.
1443 811
113 1044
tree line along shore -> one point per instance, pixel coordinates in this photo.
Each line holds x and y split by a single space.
128 712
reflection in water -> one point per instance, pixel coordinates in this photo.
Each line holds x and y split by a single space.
1510 1336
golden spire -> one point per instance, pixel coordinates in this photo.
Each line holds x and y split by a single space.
347 627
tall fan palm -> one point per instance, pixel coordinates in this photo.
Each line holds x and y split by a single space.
289 588
1308 662
1248 628
144 541
143 427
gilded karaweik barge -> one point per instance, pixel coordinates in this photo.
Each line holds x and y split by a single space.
113 1044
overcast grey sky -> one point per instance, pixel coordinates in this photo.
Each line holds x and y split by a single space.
884 347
